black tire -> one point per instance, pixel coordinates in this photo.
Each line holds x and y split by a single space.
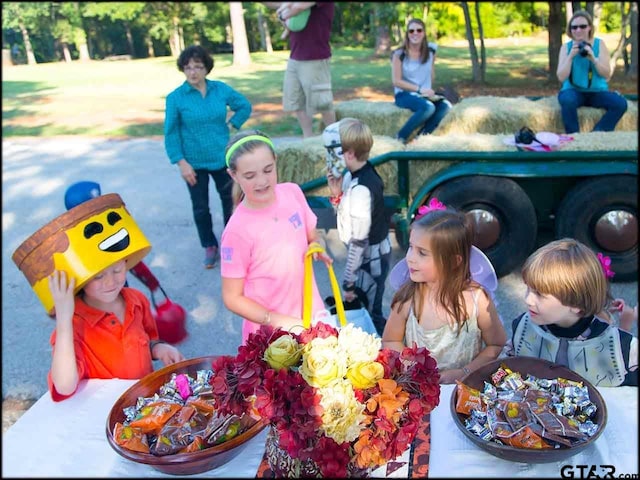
587 202
508 203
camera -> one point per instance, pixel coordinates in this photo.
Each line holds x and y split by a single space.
581 50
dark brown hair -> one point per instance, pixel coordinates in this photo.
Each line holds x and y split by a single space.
195 52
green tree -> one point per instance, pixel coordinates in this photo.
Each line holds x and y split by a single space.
27 17
125 12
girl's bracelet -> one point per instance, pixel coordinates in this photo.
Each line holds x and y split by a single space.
152 345
267 318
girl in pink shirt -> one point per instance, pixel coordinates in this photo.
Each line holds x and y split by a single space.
264 243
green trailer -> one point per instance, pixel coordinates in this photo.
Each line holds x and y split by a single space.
519 200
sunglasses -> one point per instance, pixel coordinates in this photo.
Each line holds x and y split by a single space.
415 30
581 27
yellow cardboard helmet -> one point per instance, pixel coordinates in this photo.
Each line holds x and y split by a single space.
82 242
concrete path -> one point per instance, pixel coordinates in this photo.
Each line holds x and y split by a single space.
35 175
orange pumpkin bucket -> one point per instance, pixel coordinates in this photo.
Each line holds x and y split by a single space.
82 242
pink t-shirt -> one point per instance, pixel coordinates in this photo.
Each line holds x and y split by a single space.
266 247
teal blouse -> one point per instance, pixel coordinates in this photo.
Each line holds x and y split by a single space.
582 69
195 127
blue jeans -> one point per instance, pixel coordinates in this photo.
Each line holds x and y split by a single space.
200 202
427 115
442 108
571 99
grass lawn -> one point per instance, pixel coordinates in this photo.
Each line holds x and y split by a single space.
126 98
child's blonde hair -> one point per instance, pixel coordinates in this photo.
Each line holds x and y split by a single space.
231 156
356 135
450 239
571 272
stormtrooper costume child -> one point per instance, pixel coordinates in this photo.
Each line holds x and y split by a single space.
362 223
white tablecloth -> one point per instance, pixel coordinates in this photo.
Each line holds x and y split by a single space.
68 439
454 455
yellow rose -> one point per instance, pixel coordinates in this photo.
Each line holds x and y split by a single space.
364 375
322 365
283 353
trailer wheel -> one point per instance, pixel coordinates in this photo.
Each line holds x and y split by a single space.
603 214
505 220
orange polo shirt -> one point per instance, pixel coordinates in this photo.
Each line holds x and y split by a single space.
106 348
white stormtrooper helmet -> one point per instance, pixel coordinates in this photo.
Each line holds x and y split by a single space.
331 141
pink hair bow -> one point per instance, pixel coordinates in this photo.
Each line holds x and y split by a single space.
606 265
434 204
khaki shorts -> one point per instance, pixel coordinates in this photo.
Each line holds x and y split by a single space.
307 86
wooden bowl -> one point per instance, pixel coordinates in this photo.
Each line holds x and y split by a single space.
180 463
541 369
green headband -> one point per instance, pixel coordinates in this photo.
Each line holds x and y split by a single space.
244 140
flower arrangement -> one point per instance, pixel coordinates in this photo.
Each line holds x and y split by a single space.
333 397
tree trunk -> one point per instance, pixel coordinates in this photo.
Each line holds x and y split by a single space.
621 48
383 41
597 15
633 39
589 8
383 38
65 52
31 58
575 6
483 51
83 51
555 31
265 36
174 39
150 51
241 55
127 30
568 8
81 43
475 67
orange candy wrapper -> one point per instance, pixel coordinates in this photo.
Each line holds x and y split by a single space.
468 399
130 438
154 416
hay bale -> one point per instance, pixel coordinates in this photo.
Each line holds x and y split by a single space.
454 142
601 141
495 115
483 114
383 118
504 115
475 142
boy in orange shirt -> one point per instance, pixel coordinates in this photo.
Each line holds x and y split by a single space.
106 331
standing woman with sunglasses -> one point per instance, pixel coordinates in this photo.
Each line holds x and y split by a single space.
584 69
412 74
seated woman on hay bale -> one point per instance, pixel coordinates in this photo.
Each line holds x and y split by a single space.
583 69
412 72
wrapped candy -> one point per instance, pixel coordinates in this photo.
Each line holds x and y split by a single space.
468 399
130 438
181 417
528 412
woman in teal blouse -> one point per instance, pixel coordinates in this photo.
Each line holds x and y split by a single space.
583 69
196 133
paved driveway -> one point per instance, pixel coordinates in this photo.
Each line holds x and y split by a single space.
35 175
